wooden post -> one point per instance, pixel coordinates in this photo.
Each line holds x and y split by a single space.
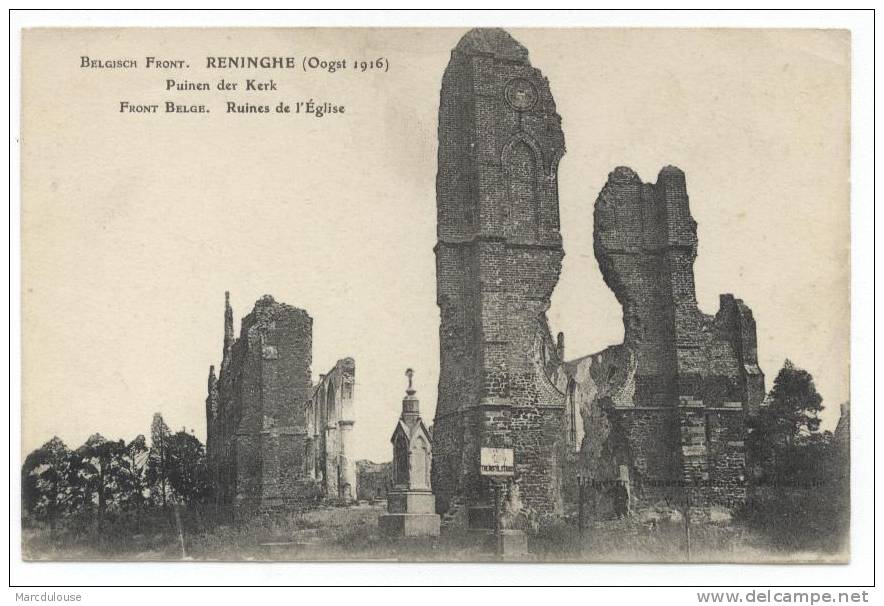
580 512
180 531
498 537
687 523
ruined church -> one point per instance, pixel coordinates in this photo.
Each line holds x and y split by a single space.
660 415
274 440
654 423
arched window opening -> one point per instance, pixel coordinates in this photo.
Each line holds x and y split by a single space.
521 166
400 460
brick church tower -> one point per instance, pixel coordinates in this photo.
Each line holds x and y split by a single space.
498 258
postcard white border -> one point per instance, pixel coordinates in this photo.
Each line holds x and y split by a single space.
858 572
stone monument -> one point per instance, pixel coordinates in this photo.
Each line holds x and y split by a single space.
411 506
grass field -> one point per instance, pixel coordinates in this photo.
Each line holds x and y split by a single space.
351 533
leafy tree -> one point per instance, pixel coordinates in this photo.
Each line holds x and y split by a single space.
79 488
788 419
796 498
188 474
103 469
30 483
45 478
795 404
158 460
133 481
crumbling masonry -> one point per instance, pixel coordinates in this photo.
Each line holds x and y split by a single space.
329 415
661 415
254 413
664 411
498 258
258 441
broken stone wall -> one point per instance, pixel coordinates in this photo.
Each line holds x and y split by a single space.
256 426
666 408
328 452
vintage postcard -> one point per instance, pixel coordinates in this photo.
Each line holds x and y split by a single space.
435 294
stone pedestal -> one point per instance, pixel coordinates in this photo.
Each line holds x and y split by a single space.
411 513
410 524
513 543
411 501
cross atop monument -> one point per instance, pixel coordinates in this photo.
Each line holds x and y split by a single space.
409 373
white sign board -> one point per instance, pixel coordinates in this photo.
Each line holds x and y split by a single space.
496 462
